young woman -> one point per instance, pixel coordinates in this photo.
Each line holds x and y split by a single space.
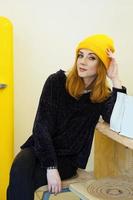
69 108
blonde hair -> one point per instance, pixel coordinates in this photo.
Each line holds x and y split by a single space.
100 90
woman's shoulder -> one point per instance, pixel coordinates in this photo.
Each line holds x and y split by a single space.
57 75
56 79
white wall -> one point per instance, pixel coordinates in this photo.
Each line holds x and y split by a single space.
45 36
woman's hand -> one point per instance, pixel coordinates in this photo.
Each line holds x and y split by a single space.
54 180
112 71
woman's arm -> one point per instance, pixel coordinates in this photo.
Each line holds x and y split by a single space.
108 105
45 125
112 74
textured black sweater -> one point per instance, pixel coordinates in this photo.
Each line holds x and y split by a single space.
64 126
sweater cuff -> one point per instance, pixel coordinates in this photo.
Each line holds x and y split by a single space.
52 167
123 89
48 163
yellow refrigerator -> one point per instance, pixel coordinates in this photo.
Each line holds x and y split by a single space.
6 103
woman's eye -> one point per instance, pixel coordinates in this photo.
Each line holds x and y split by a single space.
92 58
79 55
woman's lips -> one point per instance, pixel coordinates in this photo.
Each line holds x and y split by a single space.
82 69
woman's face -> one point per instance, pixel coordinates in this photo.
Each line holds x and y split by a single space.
87 63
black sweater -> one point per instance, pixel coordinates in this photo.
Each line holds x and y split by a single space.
64 126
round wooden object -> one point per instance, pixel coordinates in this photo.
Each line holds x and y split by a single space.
110 189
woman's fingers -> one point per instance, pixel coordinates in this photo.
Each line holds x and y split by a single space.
56 190
53 188
110 54
49 187
60 187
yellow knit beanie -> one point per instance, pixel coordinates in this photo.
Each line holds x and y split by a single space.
98 43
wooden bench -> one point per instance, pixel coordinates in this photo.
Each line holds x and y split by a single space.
42 193
111 188
113 167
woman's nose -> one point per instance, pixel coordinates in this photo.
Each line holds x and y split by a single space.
84 61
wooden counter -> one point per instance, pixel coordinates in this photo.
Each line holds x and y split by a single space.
113 153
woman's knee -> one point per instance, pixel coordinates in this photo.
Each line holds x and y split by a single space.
66 168
23 163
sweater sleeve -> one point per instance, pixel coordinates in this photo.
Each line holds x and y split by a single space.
45 124
108 105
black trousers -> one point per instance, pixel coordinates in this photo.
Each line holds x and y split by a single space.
26 175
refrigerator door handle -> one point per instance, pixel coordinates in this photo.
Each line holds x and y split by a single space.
3 85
